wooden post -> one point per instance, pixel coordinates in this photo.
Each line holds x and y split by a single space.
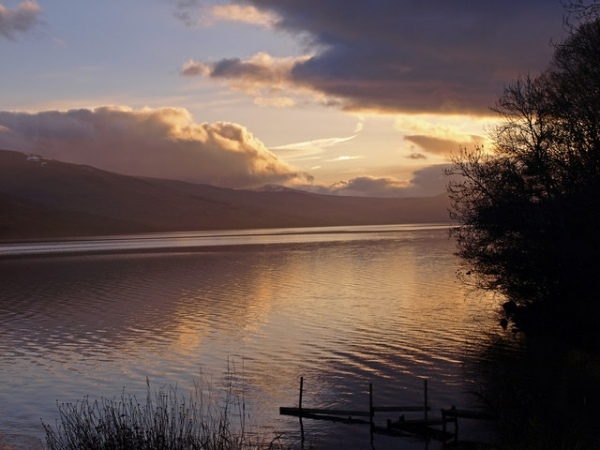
444 420
300 398
300 411
455 424
425 392
371 412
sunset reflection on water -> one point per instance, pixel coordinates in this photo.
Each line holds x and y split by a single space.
340 313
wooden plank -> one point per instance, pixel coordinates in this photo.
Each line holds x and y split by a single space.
339 419
332 412
400 408
347 412
418 422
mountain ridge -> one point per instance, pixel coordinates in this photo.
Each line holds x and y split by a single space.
42 198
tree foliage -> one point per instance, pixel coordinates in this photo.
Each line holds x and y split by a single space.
529 209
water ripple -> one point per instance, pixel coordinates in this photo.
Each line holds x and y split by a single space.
341 314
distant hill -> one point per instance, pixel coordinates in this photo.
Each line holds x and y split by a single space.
43 198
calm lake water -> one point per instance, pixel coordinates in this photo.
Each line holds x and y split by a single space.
342 307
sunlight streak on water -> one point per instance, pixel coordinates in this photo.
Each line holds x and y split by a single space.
202 239
340 312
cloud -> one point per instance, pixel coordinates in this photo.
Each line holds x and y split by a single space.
164 143
441 140
426 182
186 11
429 181
313 147
20 20
344 158
416 155
193 12
263 76
367 186
243 14
400 56
437 146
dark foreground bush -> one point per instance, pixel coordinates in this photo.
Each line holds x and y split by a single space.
545 393
166 421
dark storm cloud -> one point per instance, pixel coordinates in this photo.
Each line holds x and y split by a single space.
398 55
20 20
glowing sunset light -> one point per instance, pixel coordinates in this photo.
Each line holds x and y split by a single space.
345 158
252 92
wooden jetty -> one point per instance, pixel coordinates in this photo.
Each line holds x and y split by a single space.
425 426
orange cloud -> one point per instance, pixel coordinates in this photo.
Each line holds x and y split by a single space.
244 14
442 147
440 139
267 78
192 13
164 143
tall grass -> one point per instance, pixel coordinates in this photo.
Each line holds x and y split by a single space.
166 420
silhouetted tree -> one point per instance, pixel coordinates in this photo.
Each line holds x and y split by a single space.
580 11
529 210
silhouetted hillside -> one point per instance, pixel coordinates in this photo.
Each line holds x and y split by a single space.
41 198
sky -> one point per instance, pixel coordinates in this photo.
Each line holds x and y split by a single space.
344 97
